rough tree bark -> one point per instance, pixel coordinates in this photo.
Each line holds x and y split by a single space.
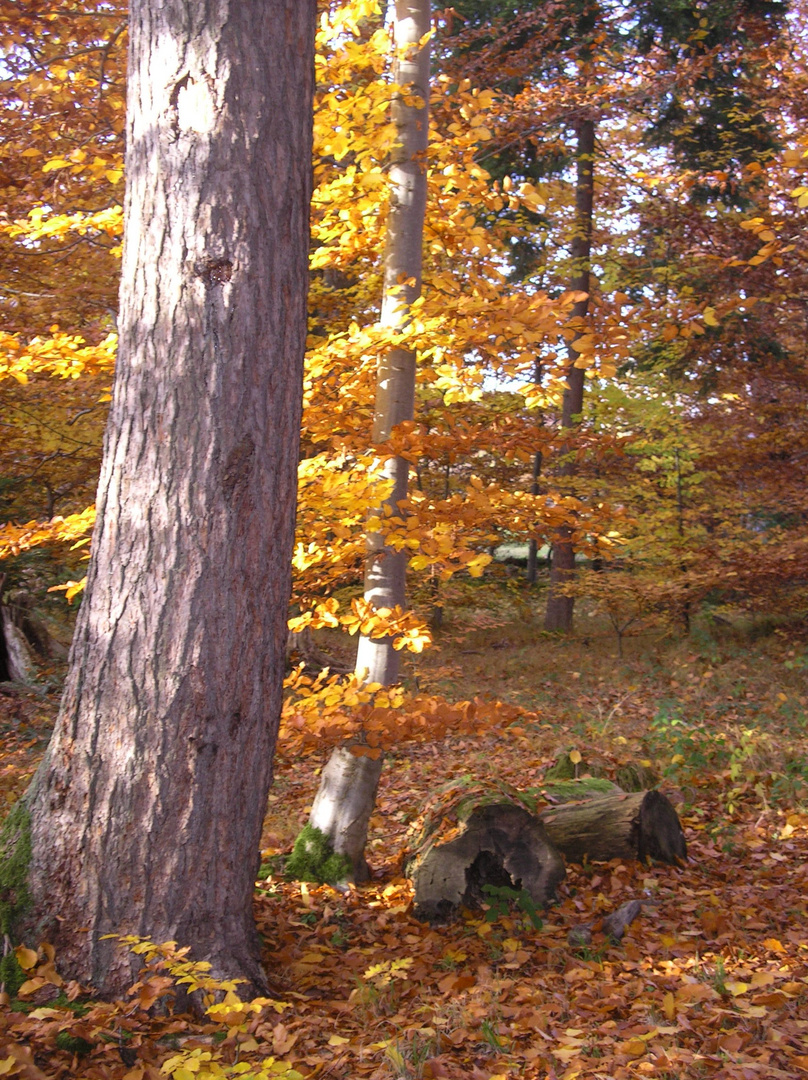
558 614
145 815
385 569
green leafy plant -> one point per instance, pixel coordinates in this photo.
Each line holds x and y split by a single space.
409 1055
490 1033
502 896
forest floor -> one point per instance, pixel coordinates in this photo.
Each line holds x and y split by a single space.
711 980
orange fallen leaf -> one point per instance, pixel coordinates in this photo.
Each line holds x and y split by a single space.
633 1048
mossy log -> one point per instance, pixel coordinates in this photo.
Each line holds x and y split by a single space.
617 825
564 791
482 838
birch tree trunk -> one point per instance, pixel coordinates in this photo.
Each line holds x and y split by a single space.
385 569
558 614
347 792
145 816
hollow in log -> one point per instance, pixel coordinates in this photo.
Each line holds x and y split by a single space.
498 844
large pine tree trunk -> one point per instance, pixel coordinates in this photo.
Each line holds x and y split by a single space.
558 615
385 568
147 810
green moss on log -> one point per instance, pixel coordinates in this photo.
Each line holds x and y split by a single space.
564 768
314 859
571 790
634 776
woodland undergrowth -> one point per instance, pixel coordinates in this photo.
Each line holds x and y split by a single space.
710 981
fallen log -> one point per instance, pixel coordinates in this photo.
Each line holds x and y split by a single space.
473 838
618 825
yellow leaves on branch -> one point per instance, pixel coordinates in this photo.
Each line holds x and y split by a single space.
67 356
773 247
42 224
73 529
444 536
470 324
331 707
408 631
345 19
71 589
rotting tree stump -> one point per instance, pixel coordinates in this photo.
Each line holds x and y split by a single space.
618 825
478 836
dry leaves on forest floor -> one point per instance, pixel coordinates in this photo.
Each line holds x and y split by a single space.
710 981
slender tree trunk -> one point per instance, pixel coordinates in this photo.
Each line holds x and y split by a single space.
538 460
385 569
349 789
680 528
146 814
533 544
558 615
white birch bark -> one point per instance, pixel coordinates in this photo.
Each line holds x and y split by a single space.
385 569
348 789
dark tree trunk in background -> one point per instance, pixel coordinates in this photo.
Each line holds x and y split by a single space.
533 544
146 813
558 615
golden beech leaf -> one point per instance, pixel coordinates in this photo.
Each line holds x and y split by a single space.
773 945
26 958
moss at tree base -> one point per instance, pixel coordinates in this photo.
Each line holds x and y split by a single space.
314 859
15 897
